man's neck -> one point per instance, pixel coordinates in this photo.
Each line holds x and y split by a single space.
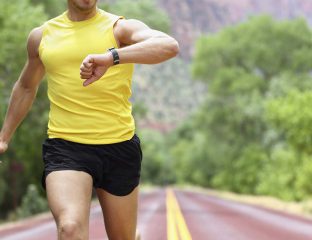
78 15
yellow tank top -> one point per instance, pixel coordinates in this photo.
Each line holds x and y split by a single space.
101 112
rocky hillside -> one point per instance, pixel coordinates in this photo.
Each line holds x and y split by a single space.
191 18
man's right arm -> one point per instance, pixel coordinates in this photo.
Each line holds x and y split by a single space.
24 90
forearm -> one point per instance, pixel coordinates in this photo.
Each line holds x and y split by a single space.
20 103
139 44
151 51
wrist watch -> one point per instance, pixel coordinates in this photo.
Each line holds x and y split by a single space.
115 55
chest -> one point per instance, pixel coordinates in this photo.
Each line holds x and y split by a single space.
66 48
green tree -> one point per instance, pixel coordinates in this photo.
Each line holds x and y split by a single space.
144 10
251 70
190 157
292 115
22 162
156 166
303 184
51 7
278 177
32 203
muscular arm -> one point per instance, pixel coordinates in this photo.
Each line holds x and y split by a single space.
139 44
24 90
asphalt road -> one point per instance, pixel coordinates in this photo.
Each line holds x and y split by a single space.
182 215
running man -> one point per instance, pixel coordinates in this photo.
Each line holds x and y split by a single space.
88 56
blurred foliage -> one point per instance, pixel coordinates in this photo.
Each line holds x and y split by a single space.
22 163
156 86
278 175
32 203
139 110
156 166
144 10
253 132
16 19
52 7
292 115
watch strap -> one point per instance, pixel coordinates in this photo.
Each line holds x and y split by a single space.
115 55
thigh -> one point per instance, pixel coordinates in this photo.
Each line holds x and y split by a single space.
69 196
120 214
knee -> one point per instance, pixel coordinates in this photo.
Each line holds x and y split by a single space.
69 229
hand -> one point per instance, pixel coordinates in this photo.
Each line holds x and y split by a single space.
94 66
3 147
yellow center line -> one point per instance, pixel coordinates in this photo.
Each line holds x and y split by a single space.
176 225
172 233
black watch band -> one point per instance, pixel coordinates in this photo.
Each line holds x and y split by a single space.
115 55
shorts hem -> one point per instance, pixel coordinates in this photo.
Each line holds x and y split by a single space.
119 193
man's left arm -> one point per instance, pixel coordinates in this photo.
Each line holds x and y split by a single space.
138 44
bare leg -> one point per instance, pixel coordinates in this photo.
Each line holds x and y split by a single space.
69 196
120 214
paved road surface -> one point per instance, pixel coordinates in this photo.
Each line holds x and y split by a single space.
183 215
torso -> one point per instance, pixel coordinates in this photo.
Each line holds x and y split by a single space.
101 112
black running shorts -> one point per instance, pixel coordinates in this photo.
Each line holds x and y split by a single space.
114 167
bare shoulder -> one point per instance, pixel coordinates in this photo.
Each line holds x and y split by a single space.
130 23
33 42
131 31
123 26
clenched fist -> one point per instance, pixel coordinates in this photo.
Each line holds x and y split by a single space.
94 66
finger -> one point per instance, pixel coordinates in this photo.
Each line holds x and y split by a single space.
90 80
86 72
88 61
87 65
85 69
85 76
